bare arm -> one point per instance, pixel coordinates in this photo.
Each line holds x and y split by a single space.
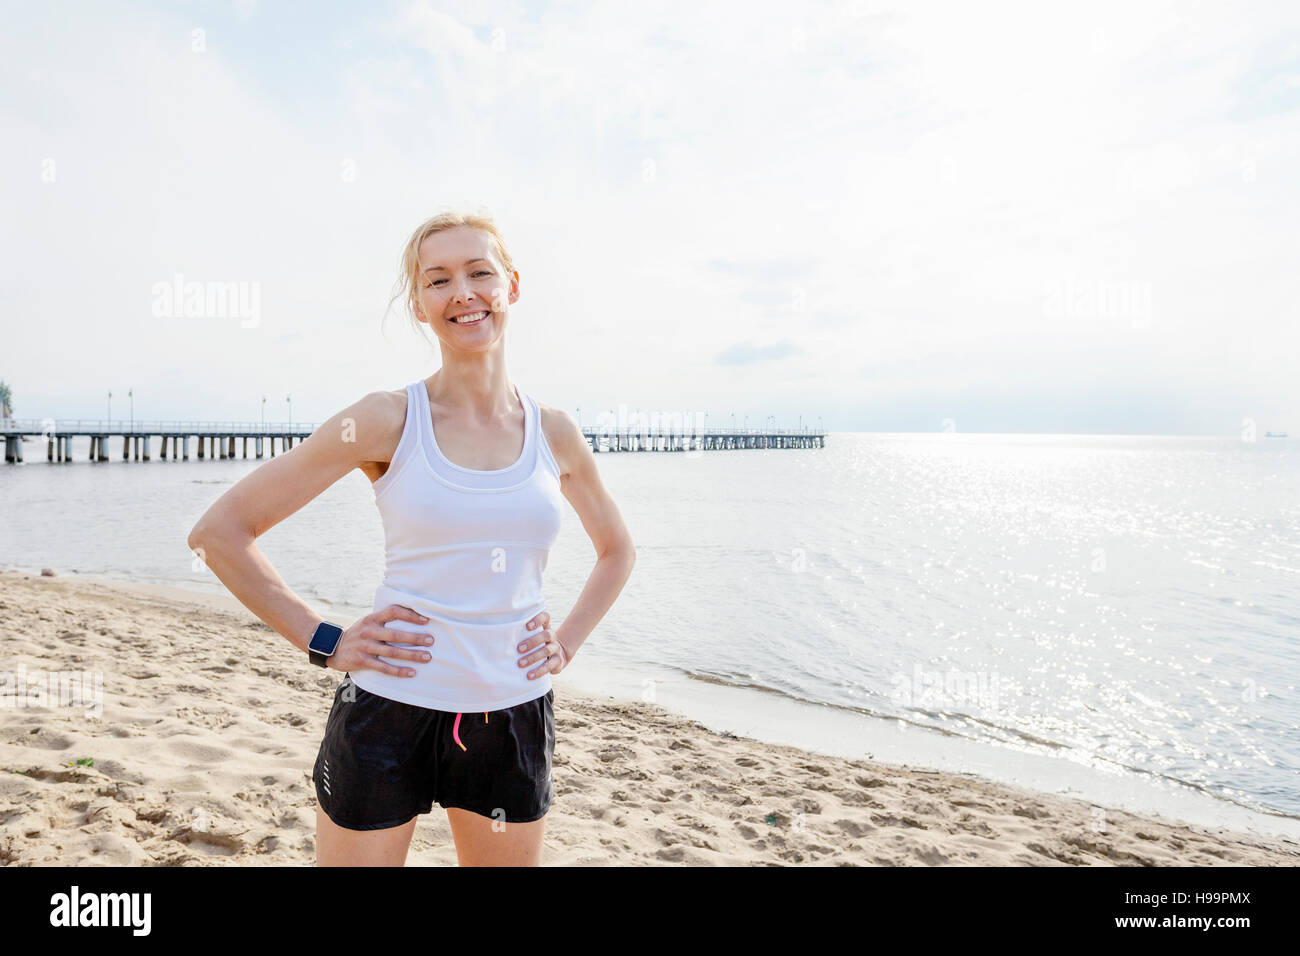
225 536
615 553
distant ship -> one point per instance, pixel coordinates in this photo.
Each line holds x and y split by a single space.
1271 435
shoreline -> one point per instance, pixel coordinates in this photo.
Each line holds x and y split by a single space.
222 732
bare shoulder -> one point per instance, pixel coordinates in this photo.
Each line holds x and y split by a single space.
375 422
564 436
376 415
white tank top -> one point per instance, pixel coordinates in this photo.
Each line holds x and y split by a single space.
466 548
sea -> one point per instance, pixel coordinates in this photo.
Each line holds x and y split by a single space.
1114 618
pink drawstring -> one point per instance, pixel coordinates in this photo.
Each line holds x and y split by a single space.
455 730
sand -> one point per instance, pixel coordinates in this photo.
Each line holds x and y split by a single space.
202 756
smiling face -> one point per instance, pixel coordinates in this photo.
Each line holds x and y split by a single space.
461 276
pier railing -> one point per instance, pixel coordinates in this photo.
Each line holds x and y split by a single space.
103 426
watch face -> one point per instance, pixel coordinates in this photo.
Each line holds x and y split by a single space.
326 638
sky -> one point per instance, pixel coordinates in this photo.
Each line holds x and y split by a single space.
861 216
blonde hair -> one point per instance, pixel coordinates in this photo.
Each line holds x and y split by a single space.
408 271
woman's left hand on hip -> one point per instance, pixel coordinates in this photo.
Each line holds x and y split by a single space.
543 648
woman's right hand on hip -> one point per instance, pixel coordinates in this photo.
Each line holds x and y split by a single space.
368 639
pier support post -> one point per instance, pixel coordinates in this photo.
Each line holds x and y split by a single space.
257 442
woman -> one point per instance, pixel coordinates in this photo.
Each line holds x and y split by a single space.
448 693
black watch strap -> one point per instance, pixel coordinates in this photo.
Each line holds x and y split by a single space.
324 643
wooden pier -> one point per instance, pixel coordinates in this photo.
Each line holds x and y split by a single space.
215 440
225 440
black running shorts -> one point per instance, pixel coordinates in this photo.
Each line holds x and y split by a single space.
382 762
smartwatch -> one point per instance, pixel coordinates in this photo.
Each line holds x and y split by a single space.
324 643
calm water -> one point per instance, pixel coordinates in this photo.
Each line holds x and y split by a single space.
1128 603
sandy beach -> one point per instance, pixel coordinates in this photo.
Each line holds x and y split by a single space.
208 723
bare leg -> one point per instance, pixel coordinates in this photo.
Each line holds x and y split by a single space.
510 844
339 846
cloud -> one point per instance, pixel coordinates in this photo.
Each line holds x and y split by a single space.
742 353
